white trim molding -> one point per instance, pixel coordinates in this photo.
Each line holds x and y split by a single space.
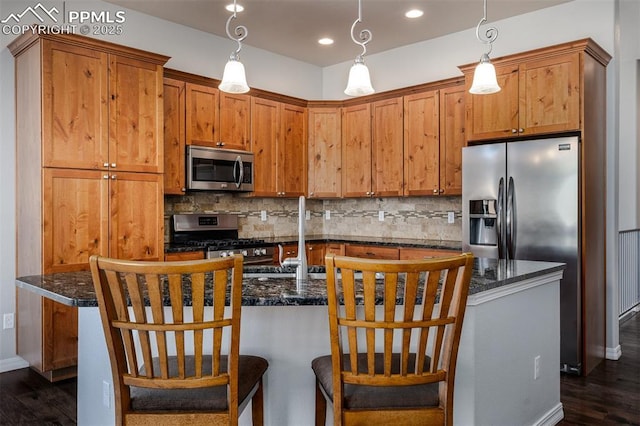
552 417
13 363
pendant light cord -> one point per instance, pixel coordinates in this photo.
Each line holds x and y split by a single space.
365 35
240 31
490 35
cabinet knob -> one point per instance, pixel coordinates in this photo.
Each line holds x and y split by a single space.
435 190
105 176
105 165
442 191
311 194
113 177
520 130
514 131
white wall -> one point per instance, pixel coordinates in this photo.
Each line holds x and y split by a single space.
201 53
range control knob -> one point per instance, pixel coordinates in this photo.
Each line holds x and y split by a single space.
244 252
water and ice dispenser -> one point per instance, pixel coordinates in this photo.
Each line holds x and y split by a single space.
483 229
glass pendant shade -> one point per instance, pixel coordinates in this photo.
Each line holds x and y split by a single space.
233 78
359 83
484 78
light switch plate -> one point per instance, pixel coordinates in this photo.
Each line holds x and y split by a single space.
381 215
327 214
451 218
307 214
263 215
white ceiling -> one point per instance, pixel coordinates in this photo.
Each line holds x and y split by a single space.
293 27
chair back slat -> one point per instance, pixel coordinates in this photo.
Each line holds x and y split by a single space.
157 317
177 310
415 343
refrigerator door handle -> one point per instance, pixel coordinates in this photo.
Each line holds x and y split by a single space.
499 215
511 220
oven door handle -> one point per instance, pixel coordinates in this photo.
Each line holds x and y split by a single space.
238 165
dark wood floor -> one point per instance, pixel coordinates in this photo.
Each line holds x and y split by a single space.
610 395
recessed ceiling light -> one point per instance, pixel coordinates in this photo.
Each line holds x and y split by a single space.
325 41
229 7
414 13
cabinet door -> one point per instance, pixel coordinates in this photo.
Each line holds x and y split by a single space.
495 115
421 143
315 253
265 119
325 153
356 151
174 136
550 95
452 139
137 216
202 115
59 335
387 148
75 218
135 115
334 248
74 114
292 152
188 255
235 121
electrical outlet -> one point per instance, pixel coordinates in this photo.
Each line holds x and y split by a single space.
536 367
451 217
381 215
307 214
106 394
327 214
263 215
7 321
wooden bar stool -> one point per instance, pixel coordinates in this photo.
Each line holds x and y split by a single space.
177 365
395 364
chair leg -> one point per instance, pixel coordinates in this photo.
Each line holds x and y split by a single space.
257 406
321 406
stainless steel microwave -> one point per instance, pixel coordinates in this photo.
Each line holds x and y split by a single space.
215 169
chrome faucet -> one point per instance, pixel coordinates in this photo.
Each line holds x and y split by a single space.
300 262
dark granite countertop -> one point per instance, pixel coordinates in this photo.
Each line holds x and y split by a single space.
383 241
263 287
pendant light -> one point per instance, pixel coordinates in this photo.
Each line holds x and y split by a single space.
233 78
359 83
484 77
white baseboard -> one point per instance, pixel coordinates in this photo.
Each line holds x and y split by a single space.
613 354
13 363
552 417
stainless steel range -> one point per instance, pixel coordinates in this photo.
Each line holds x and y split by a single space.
217 234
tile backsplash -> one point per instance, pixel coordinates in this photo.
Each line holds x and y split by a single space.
409 217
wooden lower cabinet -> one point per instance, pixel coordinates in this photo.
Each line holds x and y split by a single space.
187 255
315 253
409 253
372 251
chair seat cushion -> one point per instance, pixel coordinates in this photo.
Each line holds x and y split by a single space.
251 368
378 397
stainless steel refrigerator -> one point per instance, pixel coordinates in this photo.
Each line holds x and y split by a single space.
520 200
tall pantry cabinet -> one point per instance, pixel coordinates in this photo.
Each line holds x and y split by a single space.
89 117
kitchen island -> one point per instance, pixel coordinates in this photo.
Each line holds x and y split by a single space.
512 323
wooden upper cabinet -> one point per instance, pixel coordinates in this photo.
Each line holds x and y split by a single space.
75 128
356 151
265 119
550 95
174 137
325 152
202 116
135 115
387 148
538 95
279 144
235 121
291 167
421 143
452 139
100 110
